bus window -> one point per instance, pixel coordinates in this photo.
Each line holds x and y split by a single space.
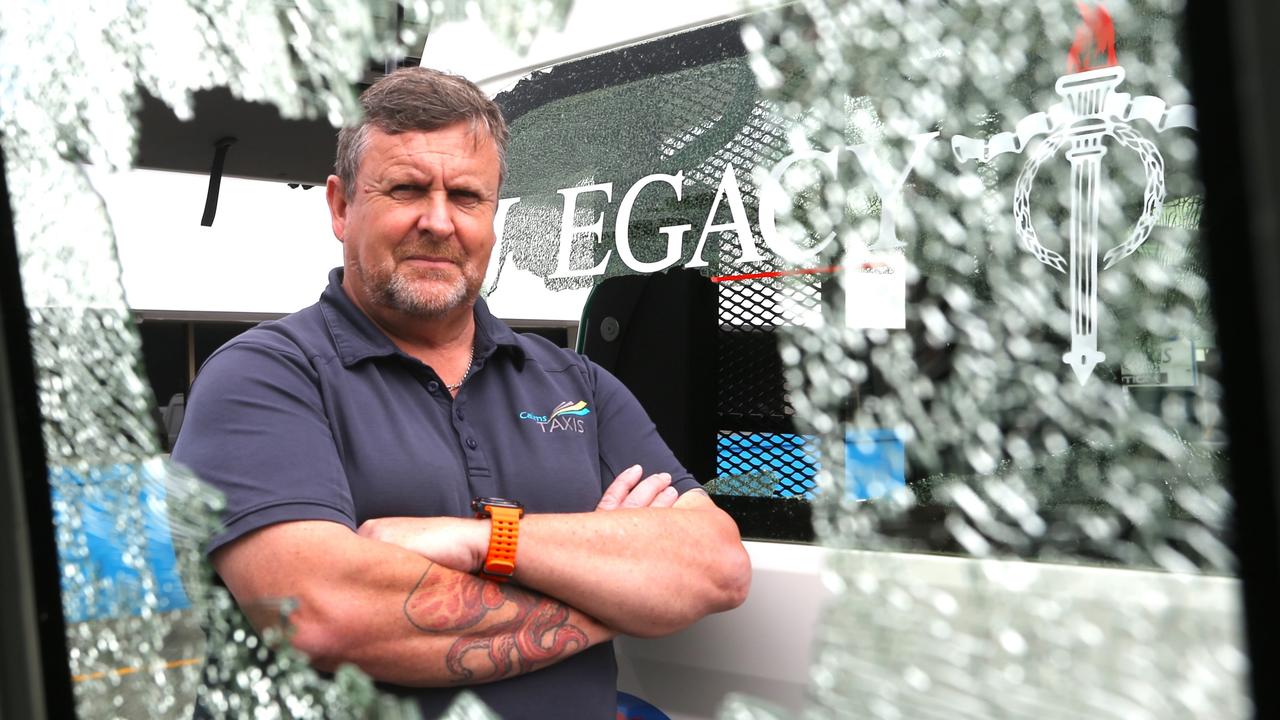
888 260
961 326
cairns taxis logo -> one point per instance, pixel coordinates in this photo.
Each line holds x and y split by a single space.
567 416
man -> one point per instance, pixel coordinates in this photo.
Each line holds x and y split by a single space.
351 438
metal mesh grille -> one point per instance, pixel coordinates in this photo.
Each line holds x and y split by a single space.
758 453
752 393
760 142
765 464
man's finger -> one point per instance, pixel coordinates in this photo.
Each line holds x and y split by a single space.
666 498
620 488
648 489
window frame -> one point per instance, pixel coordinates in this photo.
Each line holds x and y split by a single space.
36 679
1236 92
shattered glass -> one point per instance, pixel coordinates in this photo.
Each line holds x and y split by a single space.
1061 423
130 526
1053 541
651 125
516 24
1017 446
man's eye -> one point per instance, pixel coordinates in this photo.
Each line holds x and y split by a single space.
405 192
466 198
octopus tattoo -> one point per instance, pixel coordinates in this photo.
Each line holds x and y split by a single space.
525 630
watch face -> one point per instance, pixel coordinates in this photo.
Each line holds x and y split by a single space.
482 504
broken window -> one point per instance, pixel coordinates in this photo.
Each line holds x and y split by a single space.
962 330
962 334
130 526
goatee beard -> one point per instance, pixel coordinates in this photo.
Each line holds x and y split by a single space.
405 295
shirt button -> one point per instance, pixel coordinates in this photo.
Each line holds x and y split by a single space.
471 443
458 412
433 386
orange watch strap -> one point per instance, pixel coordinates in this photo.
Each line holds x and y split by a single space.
504 534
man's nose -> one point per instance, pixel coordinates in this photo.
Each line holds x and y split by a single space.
435 217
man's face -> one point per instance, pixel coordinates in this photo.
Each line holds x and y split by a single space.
417 230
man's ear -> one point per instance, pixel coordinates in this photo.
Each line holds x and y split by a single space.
336 196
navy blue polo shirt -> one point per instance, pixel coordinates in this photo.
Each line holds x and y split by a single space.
319 416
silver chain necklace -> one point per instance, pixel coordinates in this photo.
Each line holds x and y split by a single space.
470 357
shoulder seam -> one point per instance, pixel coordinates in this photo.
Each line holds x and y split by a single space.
277 503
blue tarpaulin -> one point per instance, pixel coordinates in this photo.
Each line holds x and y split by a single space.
97 580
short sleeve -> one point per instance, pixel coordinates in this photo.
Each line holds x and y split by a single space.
627 435
256 430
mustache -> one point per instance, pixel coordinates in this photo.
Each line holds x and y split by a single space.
422 247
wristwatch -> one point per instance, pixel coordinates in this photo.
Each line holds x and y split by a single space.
504 532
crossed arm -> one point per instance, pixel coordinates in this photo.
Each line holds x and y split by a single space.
644 564
400 617
399 600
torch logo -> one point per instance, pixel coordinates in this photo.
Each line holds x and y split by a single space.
1091 112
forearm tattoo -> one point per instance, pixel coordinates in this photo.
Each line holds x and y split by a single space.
525 630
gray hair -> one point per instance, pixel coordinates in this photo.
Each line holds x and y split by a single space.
418 99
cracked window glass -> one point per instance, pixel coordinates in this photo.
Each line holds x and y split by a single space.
146 622
959 332
937 277
1041 416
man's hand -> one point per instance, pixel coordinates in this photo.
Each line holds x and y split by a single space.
629 491
630 570
460 543
456 543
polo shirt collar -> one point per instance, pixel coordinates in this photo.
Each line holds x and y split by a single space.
493 334
356 337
